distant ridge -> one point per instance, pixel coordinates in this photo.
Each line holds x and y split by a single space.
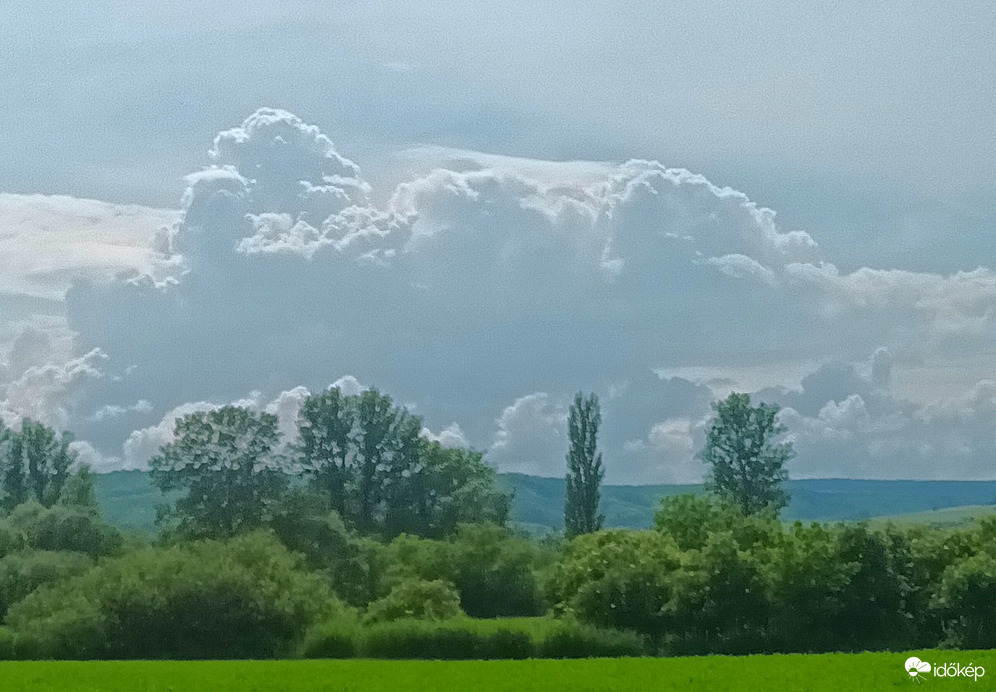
128 499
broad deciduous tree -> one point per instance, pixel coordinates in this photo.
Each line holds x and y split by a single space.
225 460
747 459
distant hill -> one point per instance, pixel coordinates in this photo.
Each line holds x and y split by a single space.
128 500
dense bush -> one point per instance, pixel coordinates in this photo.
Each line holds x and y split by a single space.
493 570
418 639
305 523
966 602
416 599
22 573
691 519
719 601
8 644
618 578
244 598
464 638
337 639
61 528
759 587
578 641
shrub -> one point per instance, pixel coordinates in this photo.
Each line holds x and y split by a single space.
492 569
305 524
336 639
404 639
421 600
244 598
966 602
617 579
63 528
22 573
570 640
509 644
691 519
719 601
494 572
8 644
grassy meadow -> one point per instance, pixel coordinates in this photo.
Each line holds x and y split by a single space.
814 673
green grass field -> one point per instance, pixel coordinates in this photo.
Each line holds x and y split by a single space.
836 672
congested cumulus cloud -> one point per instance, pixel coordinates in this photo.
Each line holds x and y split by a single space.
482 296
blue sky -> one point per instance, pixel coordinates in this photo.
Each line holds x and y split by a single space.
490 250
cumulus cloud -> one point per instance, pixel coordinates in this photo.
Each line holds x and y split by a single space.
449 437
484 277
531 437
49 393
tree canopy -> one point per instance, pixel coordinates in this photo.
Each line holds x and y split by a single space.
746 458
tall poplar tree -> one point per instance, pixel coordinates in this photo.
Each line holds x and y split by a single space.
584 468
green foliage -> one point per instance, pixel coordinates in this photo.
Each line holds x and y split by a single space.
464 638
244 598
8 644
418 639
416 599
746 462
339 638
60 528
719 601
691 519
224 460
79 491
34 464
569 640
584 468
22 573
325 430
366 455
618 578
305 524
493 570
966 602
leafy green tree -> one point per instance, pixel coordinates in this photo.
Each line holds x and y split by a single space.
692 519
719 601
34 464
440 489
325 428
305 523
379 422
747 462
416 599
226 462
966 601
584 468
368 457
79 491
617 578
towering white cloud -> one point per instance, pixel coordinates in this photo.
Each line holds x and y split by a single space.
472 285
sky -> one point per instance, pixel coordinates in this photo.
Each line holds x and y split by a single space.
481 211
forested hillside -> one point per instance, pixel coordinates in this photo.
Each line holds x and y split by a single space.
128 499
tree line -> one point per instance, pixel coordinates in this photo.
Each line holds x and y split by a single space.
362 537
